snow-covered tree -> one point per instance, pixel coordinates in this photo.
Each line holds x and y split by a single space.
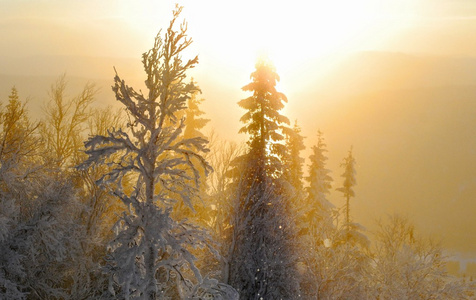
41 213
407 266
194 123
18 135
263 122
150 256
262 264
351 231
317 229
320 182
292 160
11 259
319 210
263 258
333 257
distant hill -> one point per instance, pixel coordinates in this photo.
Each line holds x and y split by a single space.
374 71
33 76
416 154
77 66
411 120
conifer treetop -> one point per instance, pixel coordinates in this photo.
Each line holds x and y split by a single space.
263 122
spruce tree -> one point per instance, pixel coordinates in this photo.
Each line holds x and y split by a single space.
317 228
320 181
18 135
349 181
262 261
352 232
293 162
263 122
193 120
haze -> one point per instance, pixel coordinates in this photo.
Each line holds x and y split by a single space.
395 79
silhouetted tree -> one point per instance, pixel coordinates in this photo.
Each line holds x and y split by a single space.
262 264
349 182
263 122
194 123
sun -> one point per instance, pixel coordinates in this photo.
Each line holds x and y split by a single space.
290 33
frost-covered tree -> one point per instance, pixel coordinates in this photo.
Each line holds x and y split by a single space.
263 121
262 264
319 209
18 136
263 260
292 160
11 259
407 266
194 123
150 257
221 157
317 229
319 179
41 212
333 257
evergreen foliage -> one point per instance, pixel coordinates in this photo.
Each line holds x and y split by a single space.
262 264
292 160
263 122
349 182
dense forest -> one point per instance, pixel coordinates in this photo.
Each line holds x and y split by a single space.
140 203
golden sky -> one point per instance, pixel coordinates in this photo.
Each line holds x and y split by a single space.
303 39
230 35
232 32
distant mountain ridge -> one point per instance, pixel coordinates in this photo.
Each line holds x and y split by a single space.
366 72
77 66
411 120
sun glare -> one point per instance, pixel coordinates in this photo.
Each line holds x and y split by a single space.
290 33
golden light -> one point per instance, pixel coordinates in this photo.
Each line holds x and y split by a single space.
289 32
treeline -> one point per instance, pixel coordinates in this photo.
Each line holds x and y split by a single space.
139 203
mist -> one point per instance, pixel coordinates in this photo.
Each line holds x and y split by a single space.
405 104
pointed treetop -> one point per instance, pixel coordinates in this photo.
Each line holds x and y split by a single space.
262 121
294 145
349 175
320 181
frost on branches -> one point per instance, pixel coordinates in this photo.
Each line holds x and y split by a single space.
262 256
150 256
262 263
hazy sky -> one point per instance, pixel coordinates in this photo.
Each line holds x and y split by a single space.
230 35
301 37
235 31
